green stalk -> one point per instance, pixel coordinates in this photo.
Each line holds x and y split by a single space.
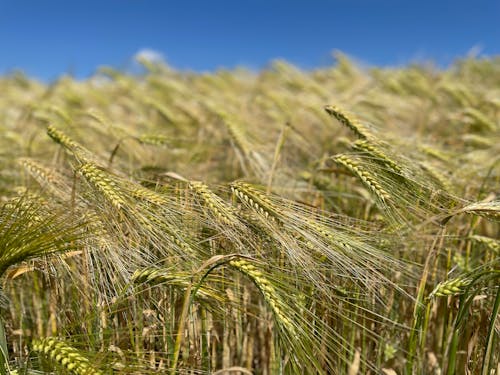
419 309
488 353
180 330
3 348
205 354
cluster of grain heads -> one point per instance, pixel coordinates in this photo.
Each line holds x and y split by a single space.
58 352
332 227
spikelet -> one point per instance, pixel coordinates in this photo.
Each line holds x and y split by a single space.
366 177
319 181
103 183
351 122
26 201
61 113
215 204
326 234
153 224
452 287
478 141
71 146
433 151
458 93
65 355
267 290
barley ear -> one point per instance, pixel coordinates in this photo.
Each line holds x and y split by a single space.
366 177
214 203
349 121
103 183
451 287
267 289
72 359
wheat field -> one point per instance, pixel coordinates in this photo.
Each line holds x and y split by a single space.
342 220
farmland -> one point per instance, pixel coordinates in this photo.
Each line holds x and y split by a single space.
342 220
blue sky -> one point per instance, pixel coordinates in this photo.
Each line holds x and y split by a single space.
46 38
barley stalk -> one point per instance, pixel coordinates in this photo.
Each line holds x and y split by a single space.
237 133
479 118
490 210
100 118
165 112
327 234
437 175
148 195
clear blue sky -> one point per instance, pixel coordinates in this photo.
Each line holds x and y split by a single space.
46 38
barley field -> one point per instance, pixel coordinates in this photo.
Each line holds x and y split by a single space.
342 220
